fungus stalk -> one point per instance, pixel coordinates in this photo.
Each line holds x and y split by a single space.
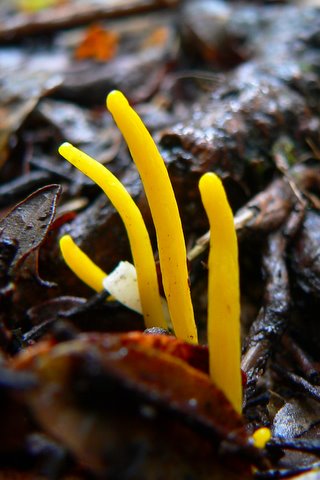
81 264
165 214
223 292
138 235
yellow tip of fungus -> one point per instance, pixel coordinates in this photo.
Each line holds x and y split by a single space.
115 99
64 148
81 264
261 437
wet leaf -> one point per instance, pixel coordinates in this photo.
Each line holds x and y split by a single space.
295 418
34 78
140 402
140 60
13 191
298 420
196 356
27 225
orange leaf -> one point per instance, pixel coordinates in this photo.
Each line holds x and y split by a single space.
98 44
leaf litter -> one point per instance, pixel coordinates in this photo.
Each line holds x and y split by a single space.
226 87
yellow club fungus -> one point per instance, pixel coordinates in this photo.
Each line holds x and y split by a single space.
223 291
81 264
261 437
121 283
165 214
135 226
223 288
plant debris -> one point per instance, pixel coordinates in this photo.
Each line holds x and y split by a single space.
223 86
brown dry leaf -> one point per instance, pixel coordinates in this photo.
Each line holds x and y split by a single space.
26 226
126 406
98 44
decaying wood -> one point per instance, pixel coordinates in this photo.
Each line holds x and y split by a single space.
272 318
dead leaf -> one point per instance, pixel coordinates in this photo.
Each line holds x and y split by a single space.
126 407
27 225
98 44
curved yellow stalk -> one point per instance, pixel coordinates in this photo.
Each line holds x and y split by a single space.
165 214
136 229
81 264
223 291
